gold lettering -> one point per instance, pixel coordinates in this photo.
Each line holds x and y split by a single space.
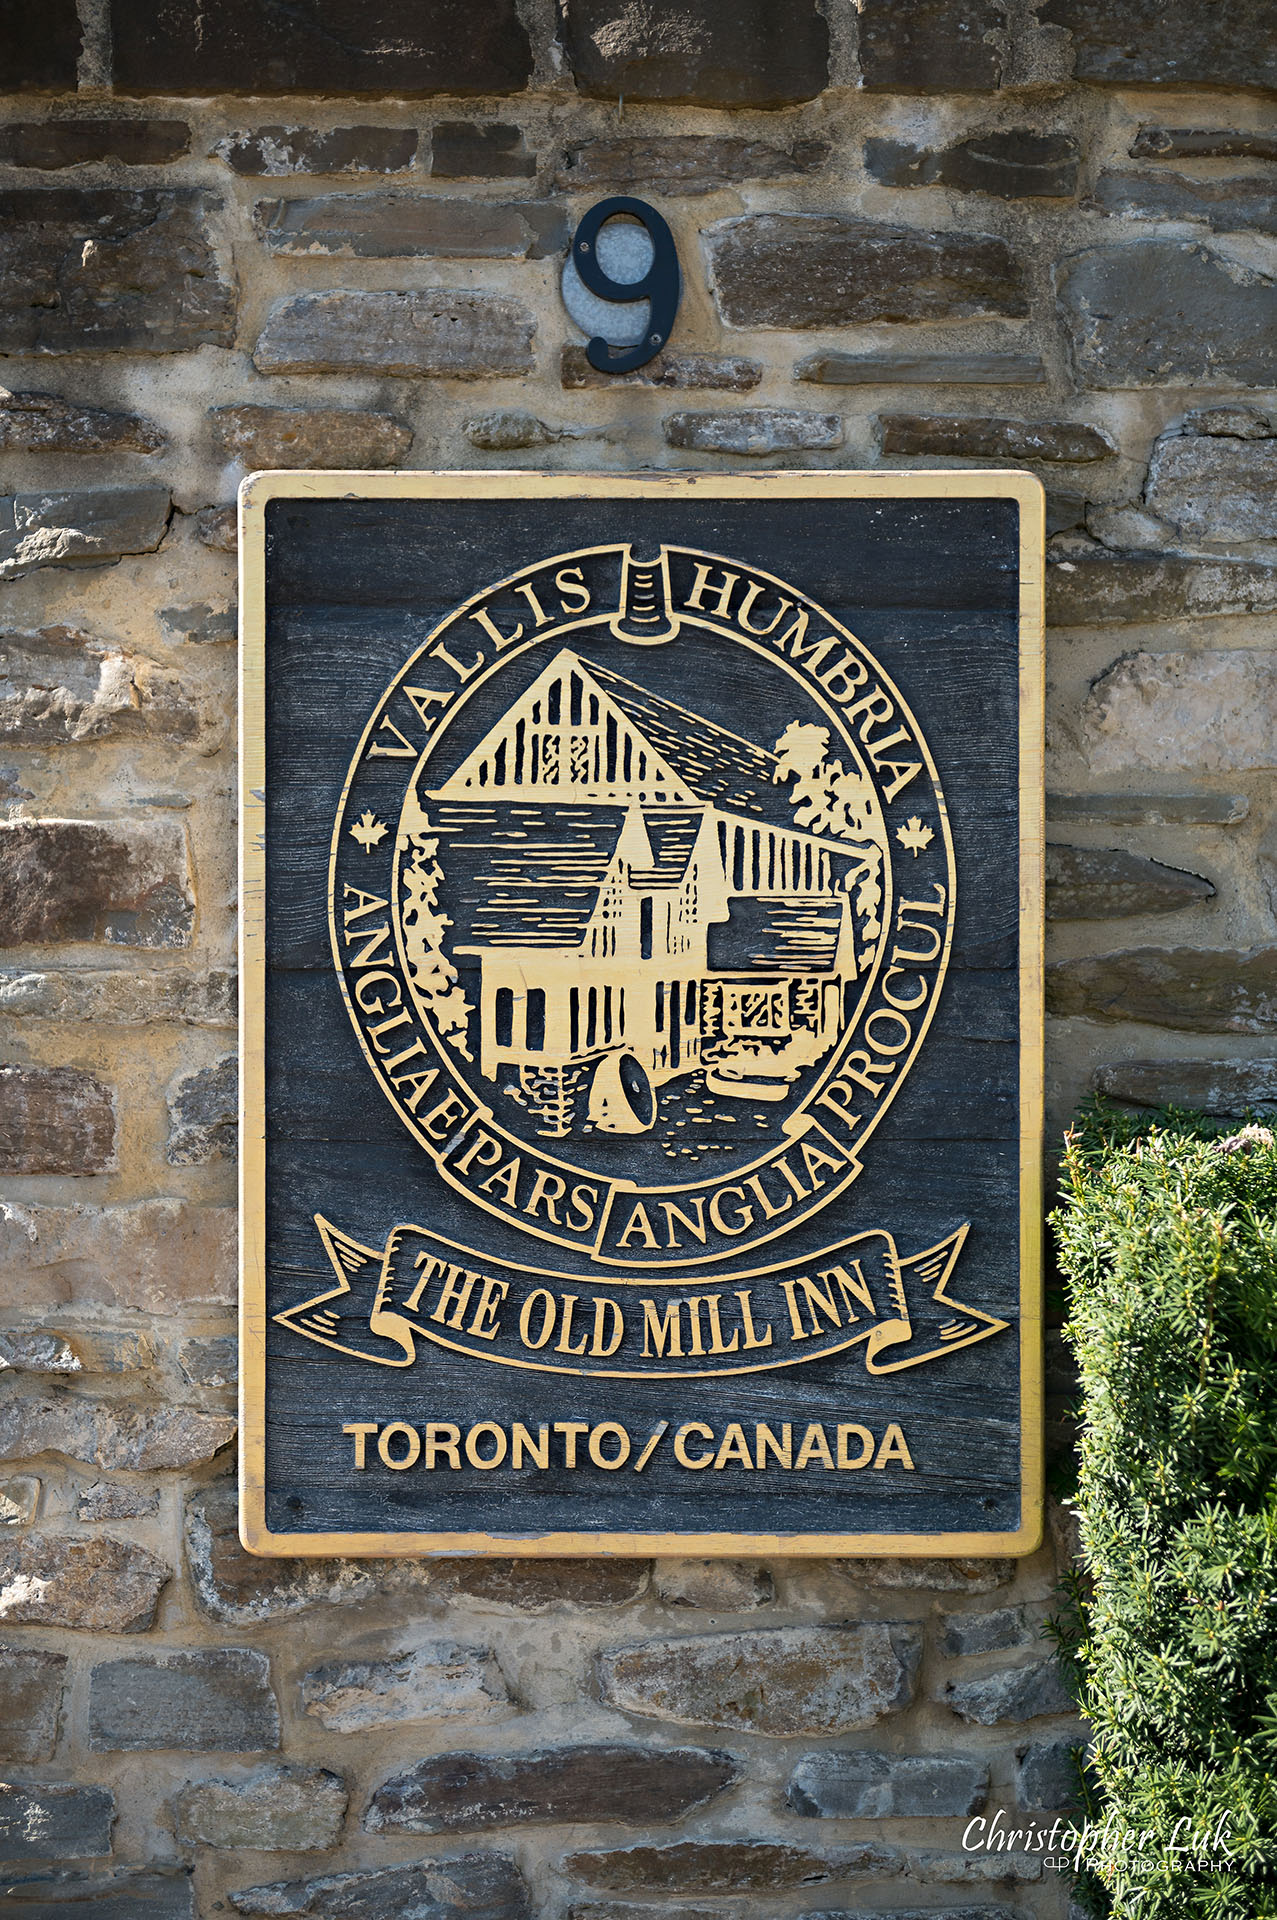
483 618
605 1340
521 1441
715 1328
866 1440
507 1178
700 583
815 1447
473 1455
571 581
716 1211
443 1437
570 1430
662 1331
638 1223
549 1314
361 1429
380 751
563 1343
765 1441
894 1448
542 619
595 1444
743 620
752 1339
695 1227
903 1006
681 1439
547 1188
393 1431
734 1450
494 1292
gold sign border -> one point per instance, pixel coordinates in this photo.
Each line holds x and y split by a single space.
254 496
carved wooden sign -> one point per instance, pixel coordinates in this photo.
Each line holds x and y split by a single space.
642 1023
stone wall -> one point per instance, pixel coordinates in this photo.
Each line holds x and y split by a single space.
913 232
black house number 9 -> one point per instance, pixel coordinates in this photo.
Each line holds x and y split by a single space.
661 285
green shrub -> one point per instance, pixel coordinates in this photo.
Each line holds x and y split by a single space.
1168 1240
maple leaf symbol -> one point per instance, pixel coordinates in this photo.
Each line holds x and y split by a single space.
368 830
914 835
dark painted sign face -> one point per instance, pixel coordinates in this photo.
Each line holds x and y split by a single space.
641 1076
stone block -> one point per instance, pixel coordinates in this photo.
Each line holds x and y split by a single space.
110 1433
53 144
774 1680
215 1699
1189 989
797 270
60 684
468 1886
41 49
726 1866
1233 422
112 1500
1148 809
200 625
19 1501
1156 313
212 1361
993 369
866 1785
1017 165
927 1576
470 150
1229 1088
437 1682
126 882
452 47
1101 589
1226 206
1169 43
31 1684
439 331
55 1821
203 1113
1009 1693
1215 712
1092 883
754 430
272 1809
727 373
97 1350
510 429
705 54
639 1910
55 1120
218 527
278 152
535 1586
715 1586
931 46
81 529
1215 489
112 996
1203 143
265 437
389 226
982 1869
1046 1779
933 1913
683 163
965 1633
96 1586
45 423
966 436
93 270
466 1792
123 1895
242 1589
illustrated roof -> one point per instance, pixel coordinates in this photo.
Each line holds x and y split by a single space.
523 876
671 835
777 934
717 765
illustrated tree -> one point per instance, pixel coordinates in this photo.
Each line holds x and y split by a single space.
830 800
434 976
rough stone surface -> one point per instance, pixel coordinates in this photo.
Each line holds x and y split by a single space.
715 1586
1010 1693
965 1633
109 1500
532 1586
237 1588
1152 43
203 1113
55 1120
1214 712
1168 313
814 270
214 1699
276 152
1046 1776
962 1869
454 46
60 684
1227 206
1203 143
725 1866
52 144
1016 165
157 1256
468 1886
936 1576
79 529
210 1362
45 423
110 996
467 150
265 437
1091 883
1148 809
931 46
743 56
510 429
100 1349
54 1821
780 1680
973 438
98 1585
385 226
122 1895
460 1792
467 336
125 882
865 1785
37 1351
41 50
31 1684
639 1910
218 527
109 1434
689 163
200 625
753 430
101 269
20 1495
1231 1088
274 1809
1190 989
1100 589
1215 489
436 1682
835 369
728 373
